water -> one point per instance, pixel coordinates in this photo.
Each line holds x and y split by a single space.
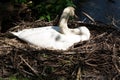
101 10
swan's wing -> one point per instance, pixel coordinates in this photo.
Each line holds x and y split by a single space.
27 32
45 37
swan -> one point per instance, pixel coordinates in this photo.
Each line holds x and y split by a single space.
55 37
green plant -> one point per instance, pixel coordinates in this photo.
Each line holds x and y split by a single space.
15 78
19 1
47 10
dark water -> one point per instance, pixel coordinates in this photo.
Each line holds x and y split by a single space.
101 10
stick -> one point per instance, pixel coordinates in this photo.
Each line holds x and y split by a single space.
36 72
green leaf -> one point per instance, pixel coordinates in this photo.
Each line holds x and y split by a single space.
42 18
48 17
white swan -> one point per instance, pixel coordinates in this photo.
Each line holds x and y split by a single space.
54 37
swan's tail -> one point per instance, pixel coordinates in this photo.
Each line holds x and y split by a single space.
15 33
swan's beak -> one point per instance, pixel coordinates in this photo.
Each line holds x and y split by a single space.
74 17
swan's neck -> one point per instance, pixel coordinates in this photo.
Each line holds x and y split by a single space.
63 23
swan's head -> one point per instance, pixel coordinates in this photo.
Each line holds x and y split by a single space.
69 10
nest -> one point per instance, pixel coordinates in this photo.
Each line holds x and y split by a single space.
96 59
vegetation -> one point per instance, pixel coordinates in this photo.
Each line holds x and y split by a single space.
46 9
